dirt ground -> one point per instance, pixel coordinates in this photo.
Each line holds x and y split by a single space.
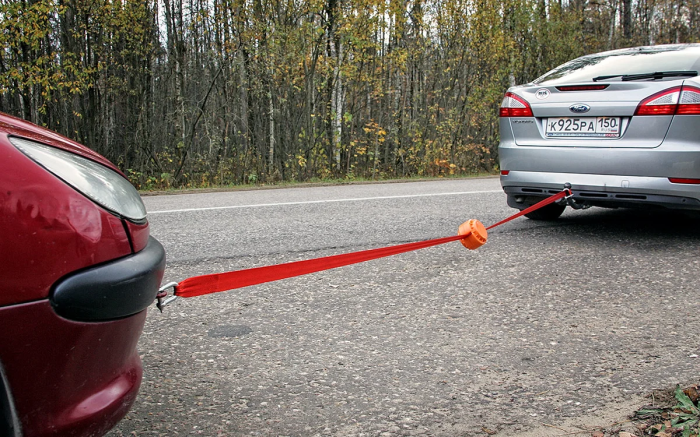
625 419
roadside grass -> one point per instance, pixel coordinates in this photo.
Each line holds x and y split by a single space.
679 420
311 183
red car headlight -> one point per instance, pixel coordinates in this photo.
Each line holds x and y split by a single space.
97 182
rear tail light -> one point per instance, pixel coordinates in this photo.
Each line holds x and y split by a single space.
505 172
662 103
515 106
684 181
677 100
689 103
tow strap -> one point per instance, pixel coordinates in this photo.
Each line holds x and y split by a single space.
472 234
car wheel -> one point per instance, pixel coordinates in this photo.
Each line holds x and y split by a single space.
692 215
549 212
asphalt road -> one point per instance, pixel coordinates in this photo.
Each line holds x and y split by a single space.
546 328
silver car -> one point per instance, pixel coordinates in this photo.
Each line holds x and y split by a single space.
621 127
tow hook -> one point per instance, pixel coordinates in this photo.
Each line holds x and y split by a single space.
570 201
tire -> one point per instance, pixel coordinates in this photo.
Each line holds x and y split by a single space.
549 212
692 215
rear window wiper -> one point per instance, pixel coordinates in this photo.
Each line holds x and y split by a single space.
642 76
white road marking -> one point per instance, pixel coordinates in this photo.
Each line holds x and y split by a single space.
309 202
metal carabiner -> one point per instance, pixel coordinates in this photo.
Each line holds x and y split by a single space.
162 298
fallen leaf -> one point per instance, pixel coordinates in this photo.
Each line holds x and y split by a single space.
692 393
488 431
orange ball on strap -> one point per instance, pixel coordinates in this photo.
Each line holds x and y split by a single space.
475 232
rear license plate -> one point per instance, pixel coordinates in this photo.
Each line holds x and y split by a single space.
583 127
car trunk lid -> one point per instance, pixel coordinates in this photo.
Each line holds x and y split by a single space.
606 113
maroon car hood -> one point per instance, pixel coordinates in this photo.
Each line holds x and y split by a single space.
18 127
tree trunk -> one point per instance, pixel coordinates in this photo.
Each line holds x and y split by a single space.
337 99
627 20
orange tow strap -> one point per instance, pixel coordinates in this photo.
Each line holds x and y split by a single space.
472 234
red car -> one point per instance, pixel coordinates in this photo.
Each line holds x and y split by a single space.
77 272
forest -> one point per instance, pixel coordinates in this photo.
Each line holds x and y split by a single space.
200 93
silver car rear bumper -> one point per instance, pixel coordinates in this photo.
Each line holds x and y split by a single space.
525 188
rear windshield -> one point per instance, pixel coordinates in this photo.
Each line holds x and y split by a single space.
626 61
